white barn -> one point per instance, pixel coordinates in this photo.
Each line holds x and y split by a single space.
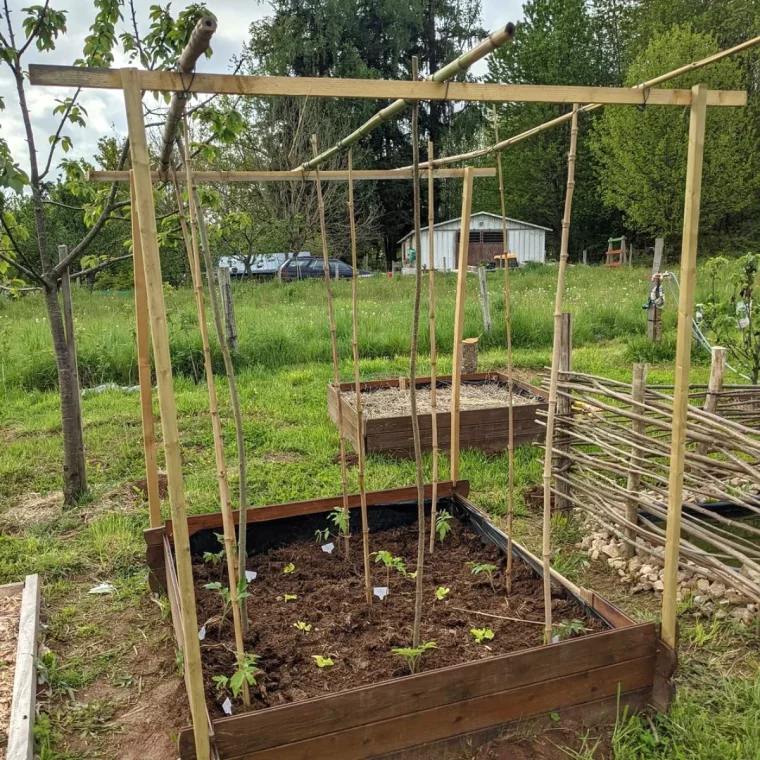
527 240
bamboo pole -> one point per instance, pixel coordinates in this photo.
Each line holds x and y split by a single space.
552 408
143 368
714 387
149 239
638 427
433 348
481 50
413 368
508 143
456 369
228 307
228 520
229 370
683 357
198 44
508 325
357 381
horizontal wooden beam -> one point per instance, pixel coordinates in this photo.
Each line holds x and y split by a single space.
289 176
376 89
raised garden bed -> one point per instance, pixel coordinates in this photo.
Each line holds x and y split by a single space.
363 706
19 621
484 415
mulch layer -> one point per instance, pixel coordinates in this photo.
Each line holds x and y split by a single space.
10 607
330 598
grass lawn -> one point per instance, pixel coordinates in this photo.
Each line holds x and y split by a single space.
110 680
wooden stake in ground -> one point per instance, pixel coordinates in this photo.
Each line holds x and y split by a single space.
149 239
336 381
433 350
229 370
714 387
683 358
558 299
638 427
456 369
413 366
357 381
508 325
143 369
228 307
228 520
484 306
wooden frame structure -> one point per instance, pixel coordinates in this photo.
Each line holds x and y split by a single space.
133 82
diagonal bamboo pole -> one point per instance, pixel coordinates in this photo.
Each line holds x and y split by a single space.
413 369
481 50
508 324
433 349
228 521
149 238
558 299
509 142
357 382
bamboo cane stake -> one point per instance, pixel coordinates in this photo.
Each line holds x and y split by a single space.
228 520
336 382
143 368
508 143
229 368
433 348
683 356
357 382
563 255
508 325
634 479
481 50
151 262
456 369
413 367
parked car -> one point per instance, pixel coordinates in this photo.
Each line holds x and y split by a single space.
261 266
305 268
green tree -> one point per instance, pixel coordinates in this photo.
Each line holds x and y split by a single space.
641 153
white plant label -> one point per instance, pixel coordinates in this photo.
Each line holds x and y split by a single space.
380 591
102 588
250 575
202 633
328 548
227 706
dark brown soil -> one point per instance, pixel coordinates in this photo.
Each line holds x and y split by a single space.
141 486
330 598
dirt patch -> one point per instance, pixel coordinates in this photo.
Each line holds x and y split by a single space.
551 744
329 598
141 486
10 607
352 460
533 496
32 508
281 458
393 402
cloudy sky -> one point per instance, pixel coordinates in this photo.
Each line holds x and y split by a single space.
105 108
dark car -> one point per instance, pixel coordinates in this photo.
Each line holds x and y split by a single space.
306 268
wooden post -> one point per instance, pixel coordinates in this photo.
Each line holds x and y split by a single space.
143 368
638 427
433 349
654 324
552 402
683 358
68 319
228 307
659 245
456 373
564 408
160 334
484 307
470 355
585 257
630 256
714 387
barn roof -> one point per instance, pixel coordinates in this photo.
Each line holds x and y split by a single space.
472 216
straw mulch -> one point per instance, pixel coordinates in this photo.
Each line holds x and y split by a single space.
9 613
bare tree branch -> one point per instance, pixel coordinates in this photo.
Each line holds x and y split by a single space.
21 268
100 267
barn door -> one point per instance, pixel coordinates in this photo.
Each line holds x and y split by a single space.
482 246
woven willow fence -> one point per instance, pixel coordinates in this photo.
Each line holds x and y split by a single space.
611 459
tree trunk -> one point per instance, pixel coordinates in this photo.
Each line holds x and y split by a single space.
74 469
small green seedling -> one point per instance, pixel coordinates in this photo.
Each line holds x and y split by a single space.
443 524
390 562
339 518
213 558
290 597
567 629
322 536
246 672
441 593
305 627
322 662
289 568
224 593
489 570
481 634
413 655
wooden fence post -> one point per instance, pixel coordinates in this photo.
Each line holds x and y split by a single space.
68 319
638 427
484 306
714 387
585 257
659 246
228 306
564 408
693 196
654 323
